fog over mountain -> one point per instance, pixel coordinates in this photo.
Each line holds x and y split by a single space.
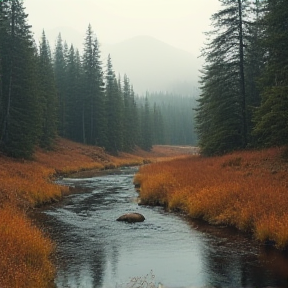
150 64
153 65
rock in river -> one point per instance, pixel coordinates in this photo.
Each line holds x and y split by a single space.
132 217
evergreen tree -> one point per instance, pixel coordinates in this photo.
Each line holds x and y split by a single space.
254 65
19 116
93 110
158 126
146 127
172 118
272 117
48 96
74 96
129 116
222 112
61 85
114 111
3 35
134 117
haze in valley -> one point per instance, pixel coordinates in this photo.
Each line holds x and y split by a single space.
155 42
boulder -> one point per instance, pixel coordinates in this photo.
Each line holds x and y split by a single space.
132 217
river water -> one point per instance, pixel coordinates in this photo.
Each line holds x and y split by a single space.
94 250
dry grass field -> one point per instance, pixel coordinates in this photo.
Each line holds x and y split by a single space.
248 190
25 250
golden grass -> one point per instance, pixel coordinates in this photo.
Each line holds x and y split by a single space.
25 251
247 190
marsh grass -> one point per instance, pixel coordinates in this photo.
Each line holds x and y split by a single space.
24 250
248 190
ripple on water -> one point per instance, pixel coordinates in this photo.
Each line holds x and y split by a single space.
95 250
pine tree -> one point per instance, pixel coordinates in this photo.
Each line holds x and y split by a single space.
272 117
158 126
3 35
19 102
114 111
172 118
73 99
61 85
134 129
93 102
129 125
146 127
48 96
222 112
255 59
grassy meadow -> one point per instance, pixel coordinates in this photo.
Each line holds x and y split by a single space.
26 251
247 190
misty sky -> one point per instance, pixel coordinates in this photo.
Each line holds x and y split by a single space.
180 23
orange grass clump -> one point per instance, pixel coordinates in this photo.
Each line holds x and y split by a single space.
23 247
24 250
247 190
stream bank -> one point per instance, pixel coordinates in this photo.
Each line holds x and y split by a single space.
26 184
96 251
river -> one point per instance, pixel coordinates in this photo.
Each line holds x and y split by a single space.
94 250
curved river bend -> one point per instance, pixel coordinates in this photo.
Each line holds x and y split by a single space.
94 250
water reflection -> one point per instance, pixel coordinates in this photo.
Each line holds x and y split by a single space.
95 251
234 260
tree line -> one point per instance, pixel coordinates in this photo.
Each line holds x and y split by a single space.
45 94
173 117
244 81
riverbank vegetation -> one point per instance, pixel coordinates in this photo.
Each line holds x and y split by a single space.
25 184
247 190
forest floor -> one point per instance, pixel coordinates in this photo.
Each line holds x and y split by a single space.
247 190
25 251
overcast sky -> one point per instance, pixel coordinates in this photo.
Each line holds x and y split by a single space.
180 23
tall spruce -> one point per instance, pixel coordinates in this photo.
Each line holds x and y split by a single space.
73 99
222 112
129 116
254 58
114 108
3 33
48 96
93 102
146 126
60 66
19 116
272 117
158 126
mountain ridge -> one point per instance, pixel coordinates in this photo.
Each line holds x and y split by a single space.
151 64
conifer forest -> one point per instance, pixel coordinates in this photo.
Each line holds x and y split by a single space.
244 81
47 92
64 110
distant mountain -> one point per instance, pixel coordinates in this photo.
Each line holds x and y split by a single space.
150 64
153 65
